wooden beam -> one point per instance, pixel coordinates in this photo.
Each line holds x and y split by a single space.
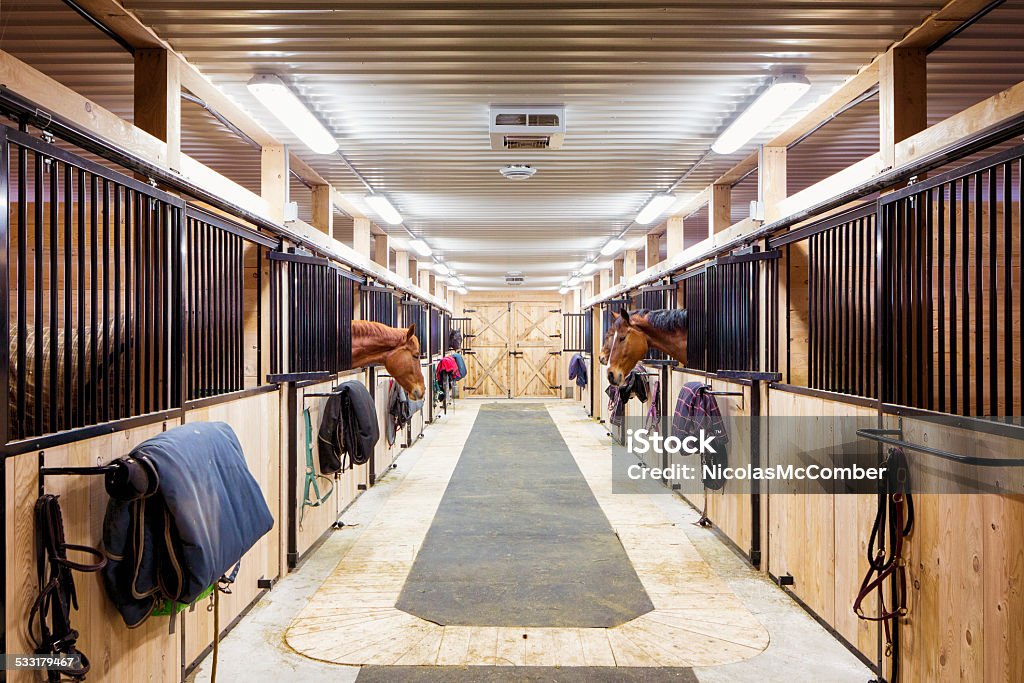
401 263
381 250
736 173
653 249
902 99
675 235
629 263
618 270
976 118
66 103
157 91
719 209
942 22
853 88
695 203
771 181
606 280
323 209
274 180
361 236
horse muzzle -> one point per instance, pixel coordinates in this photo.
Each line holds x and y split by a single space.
614 377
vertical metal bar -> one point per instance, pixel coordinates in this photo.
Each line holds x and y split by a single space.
813 315
929 314
94 298
993 305
54 206
5 300
80 395
67 392
37 304
941 293
953 308
965 266
1007 289
979 301
21 390
105 311
117 354
140 298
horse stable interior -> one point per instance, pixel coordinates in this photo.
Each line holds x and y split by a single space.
278 226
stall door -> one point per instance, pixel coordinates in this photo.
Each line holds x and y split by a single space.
487 367
537 341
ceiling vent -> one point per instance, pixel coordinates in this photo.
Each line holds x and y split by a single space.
526 127
514 278
517 172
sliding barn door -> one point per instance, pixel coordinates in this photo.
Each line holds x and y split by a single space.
487 367
537 329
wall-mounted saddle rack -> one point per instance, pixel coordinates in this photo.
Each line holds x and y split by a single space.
92 471
894 437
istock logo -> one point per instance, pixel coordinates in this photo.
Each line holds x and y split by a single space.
644 441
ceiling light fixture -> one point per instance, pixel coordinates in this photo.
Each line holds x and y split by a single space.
420 247
454 281
655 207
563 290
462 290
613 246
383 208
781 95
287 108
517 172
573 281
441 269
588 268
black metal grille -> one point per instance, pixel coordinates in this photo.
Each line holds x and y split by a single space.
951 296
92 267
436 331
578 332
655 298
414 312
311 327
379 304
837 258
465 326
222 299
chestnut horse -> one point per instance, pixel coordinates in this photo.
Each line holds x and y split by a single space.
396 348
631 334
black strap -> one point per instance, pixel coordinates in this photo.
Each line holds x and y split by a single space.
57 596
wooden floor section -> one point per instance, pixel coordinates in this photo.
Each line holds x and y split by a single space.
352 619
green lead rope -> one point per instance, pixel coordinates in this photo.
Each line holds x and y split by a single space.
311 475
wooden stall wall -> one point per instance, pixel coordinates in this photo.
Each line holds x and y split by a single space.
730 512
818 539
151 652
316 521
384 454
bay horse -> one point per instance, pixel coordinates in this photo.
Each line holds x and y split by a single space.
396 348
632 333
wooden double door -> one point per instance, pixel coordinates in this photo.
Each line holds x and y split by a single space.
515 349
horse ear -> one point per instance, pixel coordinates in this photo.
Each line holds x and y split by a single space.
411 332
624 314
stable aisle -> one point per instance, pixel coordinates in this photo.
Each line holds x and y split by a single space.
498 552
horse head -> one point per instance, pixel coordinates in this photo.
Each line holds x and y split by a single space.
627 347
403 363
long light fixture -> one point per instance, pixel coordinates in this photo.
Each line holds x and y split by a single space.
420 247
441 269
280 101
454 281
613 247
563 290
383 208
462 290
781 95
573 281
655 207
588 268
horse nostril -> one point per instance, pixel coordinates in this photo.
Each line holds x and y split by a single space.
611 377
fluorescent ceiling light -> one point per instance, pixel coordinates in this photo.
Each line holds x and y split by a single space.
573 281
454 281
383 208
613 247
780 96
655 207
563 290
588 268
441 269
280 101
420 247
462 290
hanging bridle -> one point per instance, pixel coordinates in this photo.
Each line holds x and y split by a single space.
896 514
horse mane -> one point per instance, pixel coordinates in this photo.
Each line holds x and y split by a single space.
379 331
664 319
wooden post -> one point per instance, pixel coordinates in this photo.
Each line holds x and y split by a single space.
902 98
381 249
719 209
274 180
629 263
323 209
653 250
674 235
402 263
617 271
424 277
157 92
606 280
361 236
771 180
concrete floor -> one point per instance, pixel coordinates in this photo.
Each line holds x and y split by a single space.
799 649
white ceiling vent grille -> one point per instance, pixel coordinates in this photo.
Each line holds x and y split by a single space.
515 127
514 278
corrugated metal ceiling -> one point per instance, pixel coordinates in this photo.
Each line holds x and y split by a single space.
405 85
